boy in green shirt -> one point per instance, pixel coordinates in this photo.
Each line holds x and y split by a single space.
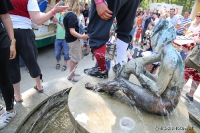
60 43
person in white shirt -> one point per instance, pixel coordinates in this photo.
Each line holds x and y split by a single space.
194 27
156 18
174 19
24 12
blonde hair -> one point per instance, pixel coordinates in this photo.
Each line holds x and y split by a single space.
74 6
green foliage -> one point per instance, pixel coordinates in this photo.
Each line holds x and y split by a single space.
187 4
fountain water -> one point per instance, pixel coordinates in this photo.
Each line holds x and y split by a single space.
52 116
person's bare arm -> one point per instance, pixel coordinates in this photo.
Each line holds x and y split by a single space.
77 35
40 18
186 25
178 26
7 23
103 11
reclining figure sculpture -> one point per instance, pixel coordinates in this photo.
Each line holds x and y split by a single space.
159 95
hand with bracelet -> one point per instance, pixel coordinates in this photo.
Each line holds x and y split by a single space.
102 9
12 49
7 23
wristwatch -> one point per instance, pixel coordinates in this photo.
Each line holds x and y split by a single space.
13 40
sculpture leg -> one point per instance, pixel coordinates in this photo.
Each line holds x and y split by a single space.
109 87
144 99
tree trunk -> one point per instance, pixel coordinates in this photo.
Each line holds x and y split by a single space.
167 1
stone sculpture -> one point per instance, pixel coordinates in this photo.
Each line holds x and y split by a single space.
158 95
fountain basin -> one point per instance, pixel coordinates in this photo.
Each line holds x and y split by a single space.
95 112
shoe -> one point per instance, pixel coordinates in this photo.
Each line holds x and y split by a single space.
2 110
116 68
74 79
64 68
57 66
5 118
189 97
40 91
98 74
20 101
89 69
86 54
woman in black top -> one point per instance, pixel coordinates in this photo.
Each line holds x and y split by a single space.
7 51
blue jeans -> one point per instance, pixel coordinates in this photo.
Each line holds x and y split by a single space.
183 55
132 32
60 44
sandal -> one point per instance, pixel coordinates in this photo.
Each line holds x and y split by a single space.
40 91
64 68
74 79
57 66
20 101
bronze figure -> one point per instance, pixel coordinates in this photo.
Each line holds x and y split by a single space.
158 95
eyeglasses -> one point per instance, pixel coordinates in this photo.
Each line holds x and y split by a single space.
198 16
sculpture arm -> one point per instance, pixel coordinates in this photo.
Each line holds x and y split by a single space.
148 59
138 65
162 82
166 73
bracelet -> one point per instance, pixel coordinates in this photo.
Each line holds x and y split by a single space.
100 2
52 12
13 40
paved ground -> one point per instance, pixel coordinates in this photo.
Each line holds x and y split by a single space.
47 64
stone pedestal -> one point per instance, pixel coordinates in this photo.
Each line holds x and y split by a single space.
97 112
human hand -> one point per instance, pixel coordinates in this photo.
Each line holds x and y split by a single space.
57 8
103 11
129 56
55 20
84 37
12 51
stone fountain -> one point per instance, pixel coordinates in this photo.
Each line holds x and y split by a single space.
153 103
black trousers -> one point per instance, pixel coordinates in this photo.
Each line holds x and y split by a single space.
26 47
5 83
98 29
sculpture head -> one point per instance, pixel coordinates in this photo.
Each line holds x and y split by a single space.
162 34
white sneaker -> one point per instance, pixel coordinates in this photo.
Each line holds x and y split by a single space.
5 118
2 110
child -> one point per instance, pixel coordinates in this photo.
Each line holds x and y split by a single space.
138 34
147 35
60 44
72 36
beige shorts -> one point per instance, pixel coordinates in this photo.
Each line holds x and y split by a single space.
75 51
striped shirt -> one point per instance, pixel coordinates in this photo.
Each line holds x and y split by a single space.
184 21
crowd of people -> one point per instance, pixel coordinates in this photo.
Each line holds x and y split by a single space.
129 24
184 26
